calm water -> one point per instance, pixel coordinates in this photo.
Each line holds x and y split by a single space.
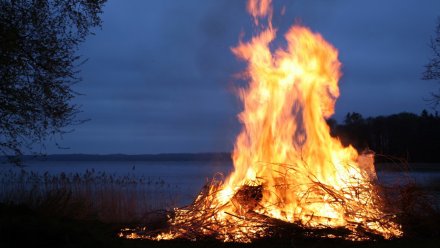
188 176
185 178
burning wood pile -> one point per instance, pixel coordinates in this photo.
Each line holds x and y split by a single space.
244 218
291 177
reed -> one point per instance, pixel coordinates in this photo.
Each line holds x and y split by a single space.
99 195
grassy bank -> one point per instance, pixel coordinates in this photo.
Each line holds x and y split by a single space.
88 210
91 195
24 227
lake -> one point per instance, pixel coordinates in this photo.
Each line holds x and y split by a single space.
184 179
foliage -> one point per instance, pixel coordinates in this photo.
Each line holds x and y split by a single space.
38 66
408 136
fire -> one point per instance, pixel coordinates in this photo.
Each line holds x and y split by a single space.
287 166
285 144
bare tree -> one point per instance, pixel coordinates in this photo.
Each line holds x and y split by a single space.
38 65
432 71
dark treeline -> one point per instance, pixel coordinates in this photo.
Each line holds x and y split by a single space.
407 136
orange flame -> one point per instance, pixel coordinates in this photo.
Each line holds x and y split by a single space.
287 165
285 143
260 8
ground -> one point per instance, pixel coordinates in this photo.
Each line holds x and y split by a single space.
20 226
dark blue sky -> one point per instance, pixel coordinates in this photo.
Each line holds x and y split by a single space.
160 73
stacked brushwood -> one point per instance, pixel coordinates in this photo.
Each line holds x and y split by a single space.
201 221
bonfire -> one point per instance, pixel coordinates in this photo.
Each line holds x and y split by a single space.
291 177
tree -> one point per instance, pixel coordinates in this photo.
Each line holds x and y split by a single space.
38 65
432 69
353 118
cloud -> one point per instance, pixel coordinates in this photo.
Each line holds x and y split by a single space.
160 73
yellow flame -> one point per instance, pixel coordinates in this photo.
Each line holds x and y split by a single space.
287 166
286 144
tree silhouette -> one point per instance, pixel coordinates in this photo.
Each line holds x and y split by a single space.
414 138
432 69
38 65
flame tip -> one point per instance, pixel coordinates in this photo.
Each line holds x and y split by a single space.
287 166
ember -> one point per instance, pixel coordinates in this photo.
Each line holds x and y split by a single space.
291 177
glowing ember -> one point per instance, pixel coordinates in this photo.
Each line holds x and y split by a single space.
289 172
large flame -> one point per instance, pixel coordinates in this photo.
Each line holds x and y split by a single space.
285 144
287 165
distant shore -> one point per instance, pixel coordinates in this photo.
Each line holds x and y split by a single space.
213 156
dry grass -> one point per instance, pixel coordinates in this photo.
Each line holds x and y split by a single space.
248 222
418 209
402 202
91 195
